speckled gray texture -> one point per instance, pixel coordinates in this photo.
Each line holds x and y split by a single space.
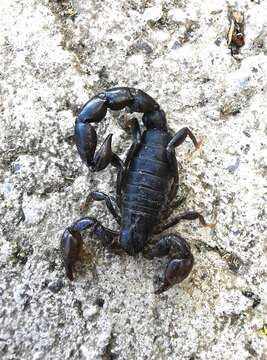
56 55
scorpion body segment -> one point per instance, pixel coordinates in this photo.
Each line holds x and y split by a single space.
147 183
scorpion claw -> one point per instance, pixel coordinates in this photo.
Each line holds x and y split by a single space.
177 270
71 245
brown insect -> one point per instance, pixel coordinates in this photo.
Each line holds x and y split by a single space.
235 36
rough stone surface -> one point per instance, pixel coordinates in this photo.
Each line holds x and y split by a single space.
54 56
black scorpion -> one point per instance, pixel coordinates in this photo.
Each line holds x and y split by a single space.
147 184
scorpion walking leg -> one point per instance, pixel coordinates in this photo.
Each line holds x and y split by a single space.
174 187
189 215
172 204
173 192
71 241
177 140
136 135
100 196
181 263
176 203
171 207
180 137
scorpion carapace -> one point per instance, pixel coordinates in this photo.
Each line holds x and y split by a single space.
147 184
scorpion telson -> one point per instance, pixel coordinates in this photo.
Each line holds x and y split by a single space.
147 184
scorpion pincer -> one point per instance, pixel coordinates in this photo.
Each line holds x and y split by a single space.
147 183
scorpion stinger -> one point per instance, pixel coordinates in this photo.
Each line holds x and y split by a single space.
94 111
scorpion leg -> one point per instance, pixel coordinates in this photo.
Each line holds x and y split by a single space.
180 137
177 140
136 135
100 196
180 264
175 184
189 215
172 204
136 132
71 241
176 203
171 207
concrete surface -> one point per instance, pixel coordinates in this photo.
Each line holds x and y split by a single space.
54 56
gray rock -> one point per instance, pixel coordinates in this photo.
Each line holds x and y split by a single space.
55 55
